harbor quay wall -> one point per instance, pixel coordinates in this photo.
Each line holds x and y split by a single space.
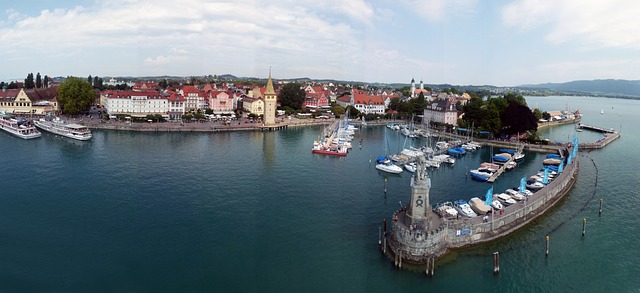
418 248
559 122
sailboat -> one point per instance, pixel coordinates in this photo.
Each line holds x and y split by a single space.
602 111
383 162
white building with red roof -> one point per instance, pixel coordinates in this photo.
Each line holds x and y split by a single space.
365 103
136 104
176 105
194 98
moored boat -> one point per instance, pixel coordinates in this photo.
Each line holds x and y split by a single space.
505 199
58 126
510 165
21 128
464 208
389 167
479 206
480 175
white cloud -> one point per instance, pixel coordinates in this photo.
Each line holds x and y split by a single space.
437 10
602 24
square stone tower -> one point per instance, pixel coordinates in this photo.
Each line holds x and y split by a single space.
270 102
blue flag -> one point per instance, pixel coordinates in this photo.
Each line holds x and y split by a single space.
545 179
489 197
523 185
560 167
569 159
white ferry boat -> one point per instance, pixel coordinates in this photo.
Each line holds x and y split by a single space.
18 128
60 127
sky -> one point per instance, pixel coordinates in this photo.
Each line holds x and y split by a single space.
460 42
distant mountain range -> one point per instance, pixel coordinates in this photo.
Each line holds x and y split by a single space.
604 87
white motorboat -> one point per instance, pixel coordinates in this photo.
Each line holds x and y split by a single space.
389 167
514 194
464 208
496 204
518 157
18 128
480 174
505 199
445 209
58 126
534 184
411 167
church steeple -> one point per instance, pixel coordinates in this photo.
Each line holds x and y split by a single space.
269 90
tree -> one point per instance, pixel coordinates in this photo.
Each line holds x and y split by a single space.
90 80
46 81
75 95
38 80
518 118
537 113
337 110
292 95
95 81
28 82
418 104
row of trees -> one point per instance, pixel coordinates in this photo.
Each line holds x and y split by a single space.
39 82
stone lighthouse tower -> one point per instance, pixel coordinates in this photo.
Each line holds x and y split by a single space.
270 101
420 185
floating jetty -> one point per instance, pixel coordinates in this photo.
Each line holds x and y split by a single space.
419 235
609 136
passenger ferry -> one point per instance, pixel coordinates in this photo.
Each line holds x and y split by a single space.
58 126
18 128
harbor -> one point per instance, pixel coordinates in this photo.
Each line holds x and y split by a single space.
419 235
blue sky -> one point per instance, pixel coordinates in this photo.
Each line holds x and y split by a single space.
463 42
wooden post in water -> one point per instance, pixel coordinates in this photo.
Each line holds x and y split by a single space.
584 226
426 272
433 265
385 186
547 251
395 260
400 259
496 263
384 245
379 235
600 210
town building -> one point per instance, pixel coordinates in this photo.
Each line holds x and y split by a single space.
221 102
442 111
136 104
32 101
316 97
365 103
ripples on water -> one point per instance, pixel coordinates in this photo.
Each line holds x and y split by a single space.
253 211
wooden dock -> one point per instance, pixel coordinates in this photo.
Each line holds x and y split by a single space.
502 168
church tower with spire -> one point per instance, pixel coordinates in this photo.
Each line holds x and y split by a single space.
413 88
270 102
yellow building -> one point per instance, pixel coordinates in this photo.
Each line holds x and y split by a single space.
32 101
253 106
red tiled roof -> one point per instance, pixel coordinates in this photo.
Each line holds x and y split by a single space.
128 94
366 99
9 93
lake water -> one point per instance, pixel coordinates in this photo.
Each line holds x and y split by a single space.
253 211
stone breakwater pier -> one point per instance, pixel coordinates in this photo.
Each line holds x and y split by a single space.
418 235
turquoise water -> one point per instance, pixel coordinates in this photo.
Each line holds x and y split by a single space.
252 211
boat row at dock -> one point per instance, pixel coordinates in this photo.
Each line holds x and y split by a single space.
29 129
336 139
